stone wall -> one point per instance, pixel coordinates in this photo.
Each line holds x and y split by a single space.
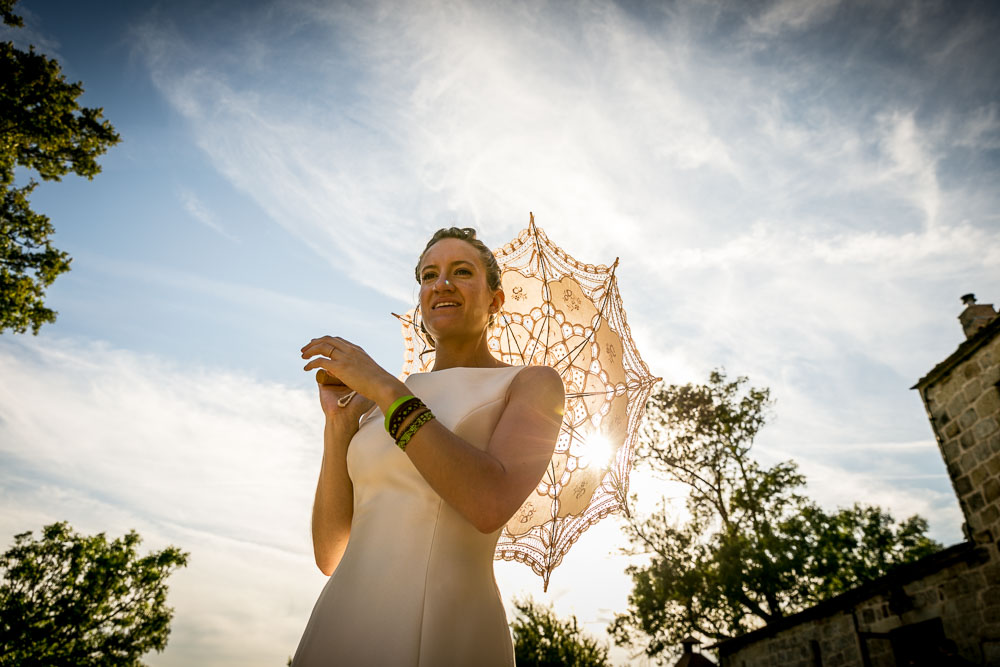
964 408
831 640
962 598
966 599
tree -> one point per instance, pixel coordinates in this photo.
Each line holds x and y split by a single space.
755 548
541 639
43 129
70 599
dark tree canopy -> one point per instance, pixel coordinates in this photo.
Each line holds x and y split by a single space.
70 599
44 130
541 639
754 548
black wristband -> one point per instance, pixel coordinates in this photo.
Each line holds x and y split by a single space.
401 413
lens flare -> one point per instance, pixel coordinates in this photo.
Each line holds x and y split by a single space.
597 450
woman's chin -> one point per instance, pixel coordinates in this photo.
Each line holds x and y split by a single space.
457 332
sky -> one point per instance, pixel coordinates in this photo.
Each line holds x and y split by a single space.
798 192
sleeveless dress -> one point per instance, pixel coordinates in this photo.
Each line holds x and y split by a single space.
415 585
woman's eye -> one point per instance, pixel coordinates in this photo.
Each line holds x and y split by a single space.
427 276
465 271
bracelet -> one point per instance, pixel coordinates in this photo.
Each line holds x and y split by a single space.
402 413
421 419
395 404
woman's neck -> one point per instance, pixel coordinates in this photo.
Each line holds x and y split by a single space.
469 353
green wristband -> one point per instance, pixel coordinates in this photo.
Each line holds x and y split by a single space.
421 419
398 402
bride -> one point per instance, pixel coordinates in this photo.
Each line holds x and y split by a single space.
419 477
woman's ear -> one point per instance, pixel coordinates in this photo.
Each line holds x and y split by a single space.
497 304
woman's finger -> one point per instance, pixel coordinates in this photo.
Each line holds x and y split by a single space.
317 341
343 344
320 362
331 341
322 346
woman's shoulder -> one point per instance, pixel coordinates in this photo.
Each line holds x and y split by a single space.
538 373
537 383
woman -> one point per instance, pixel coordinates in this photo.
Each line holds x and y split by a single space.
409 508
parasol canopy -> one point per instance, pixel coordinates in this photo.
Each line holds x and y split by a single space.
562 313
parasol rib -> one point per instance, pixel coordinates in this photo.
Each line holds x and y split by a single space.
545 284
511 338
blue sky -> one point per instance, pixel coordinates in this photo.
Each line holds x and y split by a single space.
799 192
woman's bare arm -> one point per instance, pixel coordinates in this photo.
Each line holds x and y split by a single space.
333 507
487 487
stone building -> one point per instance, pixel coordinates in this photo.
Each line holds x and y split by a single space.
943 609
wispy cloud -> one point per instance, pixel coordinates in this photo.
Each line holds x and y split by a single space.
790 15
200 212
150 434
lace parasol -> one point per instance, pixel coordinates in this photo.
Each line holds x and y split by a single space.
561 313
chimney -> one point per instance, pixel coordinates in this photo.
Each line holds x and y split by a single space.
975 316
690 658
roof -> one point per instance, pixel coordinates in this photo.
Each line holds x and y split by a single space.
964 351
694 660
898 576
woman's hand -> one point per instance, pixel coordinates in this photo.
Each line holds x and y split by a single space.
351 366
330 394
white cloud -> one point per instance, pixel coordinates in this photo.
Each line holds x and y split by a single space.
833 486
622 139
791 15
200 212
203 449
911 164
979 129
479 130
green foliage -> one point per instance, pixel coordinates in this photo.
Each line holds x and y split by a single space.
754 548
541 639
28 262
7 14
70 599
42 129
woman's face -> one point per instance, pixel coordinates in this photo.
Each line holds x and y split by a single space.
462 305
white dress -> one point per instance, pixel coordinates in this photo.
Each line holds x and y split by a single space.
415 585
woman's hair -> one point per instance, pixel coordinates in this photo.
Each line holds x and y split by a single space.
467 234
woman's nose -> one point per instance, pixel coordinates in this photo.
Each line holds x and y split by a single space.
442 283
